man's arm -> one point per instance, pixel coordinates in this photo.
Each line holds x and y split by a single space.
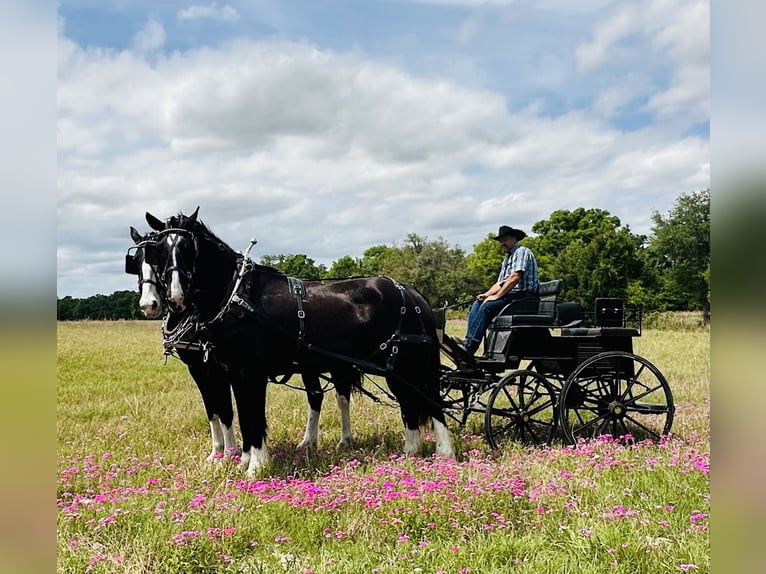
489 293
510 283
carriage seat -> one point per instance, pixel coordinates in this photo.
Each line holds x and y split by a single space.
609 321
538 309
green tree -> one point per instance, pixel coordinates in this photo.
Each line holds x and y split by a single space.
372 259
346 266
484 263
591 253
435 268
679 249
298 265
66 309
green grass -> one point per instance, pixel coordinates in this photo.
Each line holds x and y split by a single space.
135 495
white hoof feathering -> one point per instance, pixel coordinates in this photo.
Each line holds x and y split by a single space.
443 440
216 434
411 442
244 461
346 438
259 459
311 436
230 445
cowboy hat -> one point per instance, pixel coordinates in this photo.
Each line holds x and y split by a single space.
505 230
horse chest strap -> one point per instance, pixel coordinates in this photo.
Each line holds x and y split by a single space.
298 291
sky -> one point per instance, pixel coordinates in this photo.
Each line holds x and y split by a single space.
326 127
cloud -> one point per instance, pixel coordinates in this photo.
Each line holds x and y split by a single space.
150 38
674 36
225 13
270 137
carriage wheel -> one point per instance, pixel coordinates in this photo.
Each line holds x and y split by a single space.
455 399
616 393
521 408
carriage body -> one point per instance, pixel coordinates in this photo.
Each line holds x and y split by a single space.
552 370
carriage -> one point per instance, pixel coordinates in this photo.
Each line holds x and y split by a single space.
550 370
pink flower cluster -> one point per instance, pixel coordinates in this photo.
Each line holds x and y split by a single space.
412 497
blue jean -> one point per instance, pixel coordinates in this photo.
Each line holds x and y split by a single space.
481 315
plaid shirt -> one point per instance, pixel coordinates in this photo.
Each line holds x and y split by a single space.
520 258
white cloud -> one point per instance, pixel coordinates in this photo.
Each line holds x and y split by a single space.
271 137
675 36
150 37
225 13
622 23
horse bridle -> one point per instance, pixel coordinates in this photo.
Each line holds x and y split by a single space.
133 266
150 248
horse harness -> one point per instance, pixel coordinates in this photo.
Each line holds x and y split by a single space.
191 332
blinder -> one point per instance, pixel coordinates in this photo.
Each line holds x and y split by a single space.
150 254
132 266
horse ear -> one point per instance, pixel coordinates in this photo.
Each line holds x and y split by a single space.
135 235
154 223
193 216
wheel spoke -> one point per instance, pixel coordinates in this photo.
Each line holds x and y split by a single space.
531 432
539 409
591 422
503 430
525 398
648 392
639 424
606 394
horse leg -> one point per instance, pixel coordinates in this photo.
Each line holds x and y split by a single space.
315 397
343 380
250 395
435 410
442 437
226 419
410 415
418 396
217 407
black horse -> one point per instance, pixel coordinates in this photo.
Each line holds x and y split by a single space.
261 323
212 379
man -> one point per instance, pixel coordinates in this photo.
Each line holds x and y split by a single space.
517 279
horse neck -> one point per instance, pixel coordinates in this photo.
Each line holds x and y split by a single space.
214 275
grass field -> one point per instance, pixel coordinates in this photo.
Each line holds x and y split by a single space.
135 495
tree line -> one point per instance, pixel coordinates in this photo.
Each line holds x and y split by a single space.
588 249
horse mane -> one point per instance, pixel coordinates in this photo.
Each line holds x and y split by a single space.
197 227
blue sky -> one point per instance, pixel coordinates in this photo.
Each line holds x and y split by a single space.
326 127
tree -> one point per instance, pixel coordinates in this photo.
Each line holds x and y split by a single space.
298 265
437 269
118 305
346 266
373 258
484 263
680 251
591 253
